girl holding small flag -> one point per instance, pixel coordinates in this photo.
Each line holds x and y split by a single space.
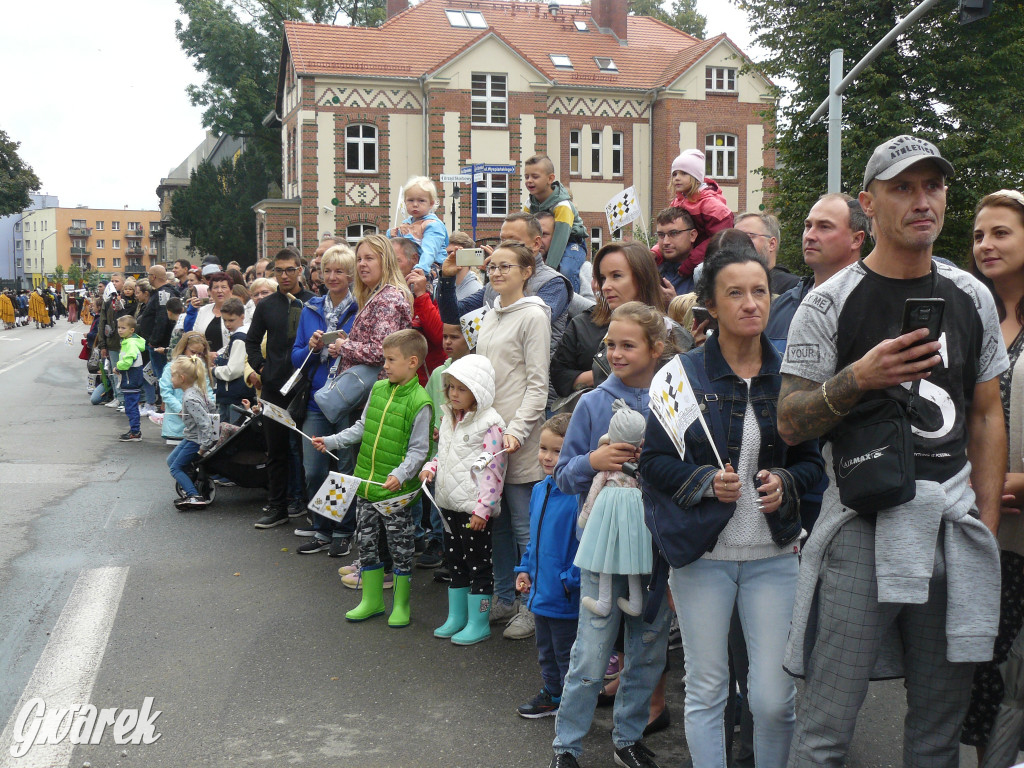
753 564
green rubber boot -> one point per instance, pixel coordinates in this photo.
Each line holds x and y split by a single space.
479 627
400 609
458 612
372 603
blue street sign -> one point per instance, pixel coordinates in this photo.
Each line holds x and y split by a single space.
496 168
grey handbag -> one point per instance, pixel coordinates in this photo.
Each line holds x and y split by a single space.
346 391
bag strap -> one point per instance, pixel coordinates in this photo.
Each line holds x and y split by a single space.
699 377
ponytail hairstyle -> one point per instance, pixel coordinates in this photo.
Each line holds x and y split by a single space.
190 339
651 322
1014 201
190 368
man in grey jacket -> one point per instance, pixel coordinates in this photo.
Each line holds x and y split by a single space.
912 590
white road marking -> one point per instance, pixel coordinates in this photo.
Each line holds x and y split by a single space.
28 355
67 669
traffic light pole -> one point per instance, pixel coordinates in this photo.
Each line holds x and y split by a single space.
834 101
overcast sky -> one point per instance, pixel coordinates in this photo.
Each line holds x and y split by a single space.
95 93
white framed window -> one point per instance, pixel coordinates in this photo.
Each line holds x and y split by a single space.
596 239
618 146
466 19
581 26
361 148
290 239
595 152
605 64
720 155
77 242
574 152
78 223
492 195
154 226
99 226
17 245
101 263
561 61
720 79
356 232
617 234
489 99
134 225
115 244
100 244
117 262
17 226
115 226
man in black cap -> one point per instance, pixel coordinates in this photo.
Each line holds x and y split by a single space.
911 589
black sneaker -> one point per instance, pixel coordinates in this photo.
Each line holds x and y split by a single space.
443 575
130 437
340 546
635 756
431 557
296 508
563 760
419 547
272 519
542 705
313 546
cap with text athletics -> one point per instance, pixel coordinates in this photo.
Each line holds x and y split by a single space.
894 156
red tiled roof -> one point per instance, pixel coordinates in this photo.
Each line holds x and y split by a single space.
656 53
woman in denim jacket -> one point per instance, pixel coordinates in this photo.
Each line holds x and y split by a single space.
745 567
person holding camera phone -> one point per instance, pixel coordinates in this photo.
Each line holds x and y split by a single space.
913 588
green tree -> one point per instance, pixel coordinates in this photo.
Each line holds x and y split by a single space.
215 209
17 179
75 274
681 14
958 86
58 274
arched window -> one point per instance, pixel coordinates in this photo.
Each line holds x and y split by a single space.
356 232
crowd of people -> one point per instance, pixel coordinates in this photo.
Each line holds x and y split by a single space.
42 306
518 398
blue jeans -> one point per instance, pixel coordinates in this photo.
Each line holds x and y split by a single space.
131 410
100 392
555 638
115 377
705 593
296 482
572 259
316 466
510 537
182 456
159 361
645 646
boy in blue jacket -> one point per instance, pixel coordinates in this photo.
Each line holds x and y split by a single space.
547 575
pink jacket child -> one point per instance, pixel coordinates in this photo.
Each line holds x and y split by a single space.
703 200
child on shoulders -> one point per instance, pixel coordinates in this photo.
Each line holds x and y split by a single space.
568 249
426 231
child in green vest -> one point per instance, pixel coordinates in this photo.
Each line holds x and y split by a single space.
393 436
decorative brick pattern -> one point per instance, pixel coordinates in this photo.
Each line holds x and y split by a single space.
371 98
362 194
597 107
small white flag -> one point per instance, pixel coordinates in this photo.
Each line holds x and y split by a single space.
675 405
622 209
69 338
278 414
392 505
335 495
470 324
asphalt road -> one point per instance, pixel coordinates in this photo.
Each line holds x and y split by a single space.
109 595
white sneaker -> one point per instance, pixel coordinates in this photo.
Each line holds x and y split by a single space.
112 404
145 410
521 626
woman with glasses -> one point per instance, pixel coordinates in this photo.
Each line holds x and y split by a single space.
516 337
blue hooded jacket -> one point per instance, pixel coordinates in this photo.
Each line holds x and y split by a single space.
312 319
555 581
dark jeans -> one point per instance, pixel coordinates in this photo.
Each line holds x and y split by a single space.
554 642
316 465
131 410
279 439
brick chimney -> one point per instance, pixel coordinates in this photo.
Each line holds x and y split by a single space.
609 16
396 6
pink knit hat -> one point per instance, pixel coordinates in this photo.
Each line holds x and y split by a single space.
691 162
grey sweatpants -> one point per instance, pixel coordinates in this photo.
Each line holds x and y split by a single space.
851 624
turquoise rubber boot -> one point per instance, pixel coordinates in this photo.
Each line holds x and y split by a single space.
400 613
458 612
372 603
479 627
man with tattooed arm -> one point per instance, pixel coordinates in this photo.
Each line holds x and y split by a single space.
912 590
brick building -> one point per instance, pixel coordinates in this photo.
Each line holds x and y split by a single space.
611 98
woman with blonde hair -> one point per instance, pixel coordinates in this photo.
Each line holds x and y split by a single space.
191 343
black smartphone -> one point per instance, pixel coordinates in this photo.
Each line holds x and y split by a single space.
924 313
700 314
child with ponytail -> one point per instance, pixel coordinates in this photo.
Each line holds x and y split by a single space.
188 373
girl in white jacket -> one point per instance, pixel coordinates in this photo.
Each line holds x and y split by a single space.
469 469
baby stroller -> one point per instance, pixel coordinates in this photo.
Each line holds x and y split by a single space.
240 457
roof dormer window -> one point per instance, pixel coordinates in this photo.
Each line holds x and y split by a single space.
581 26
561 61
466 19
605 64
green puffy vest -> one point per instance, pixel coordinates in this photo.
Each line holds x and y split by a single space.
389 419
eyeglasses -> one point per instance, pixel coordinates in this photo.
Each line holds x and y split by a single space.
285 270
493 269
758 234
673 233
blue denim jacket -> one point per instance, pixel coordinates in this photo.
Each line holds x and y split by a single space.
688 479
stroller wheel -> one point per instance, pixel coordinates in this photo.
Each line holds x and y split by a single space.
179 490
207 487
